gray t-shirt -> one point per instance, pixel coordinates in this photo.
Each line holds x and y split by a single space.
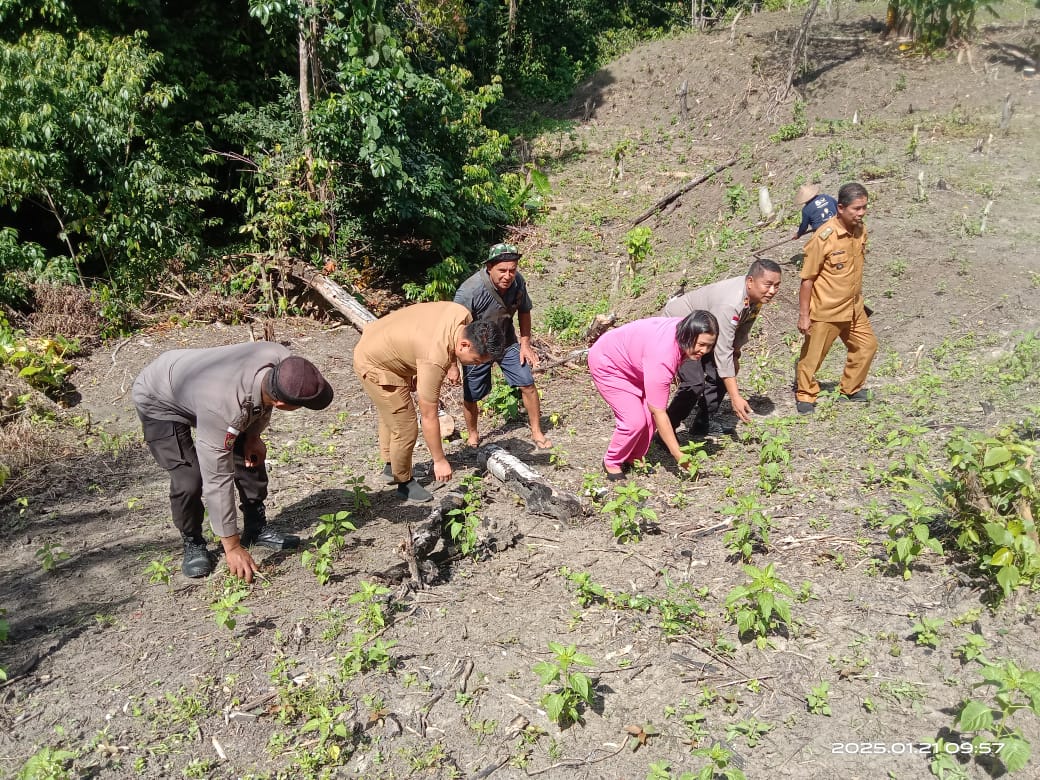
478 295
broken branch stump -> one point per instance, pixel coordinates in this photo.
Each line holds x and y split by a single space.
426 534
539 494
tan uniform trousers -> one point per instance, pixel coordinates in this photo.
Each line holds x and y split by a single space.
857 336
398 426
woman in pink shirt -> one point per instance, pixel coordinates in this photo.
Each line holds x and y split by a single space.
633 367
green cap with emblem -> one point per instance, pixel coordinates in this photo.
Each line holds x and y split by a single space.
500 253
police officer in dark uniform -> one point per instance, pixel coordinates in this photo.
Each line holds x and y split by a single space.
227 394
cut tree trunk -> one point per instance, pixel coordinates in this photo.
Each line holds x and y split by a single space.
541 497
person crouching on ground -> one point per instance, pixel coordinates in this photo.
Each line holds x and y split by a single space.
227 394
417 347
633 367
495 293
735 303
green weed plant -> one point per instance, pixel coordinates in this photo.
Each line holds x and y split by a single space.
628 513
572 689
760 606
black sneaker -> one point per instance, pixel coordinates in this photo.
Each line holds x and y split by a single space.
701 426
197 560
860 396
388 475
805 407
269 538
255 530
414 493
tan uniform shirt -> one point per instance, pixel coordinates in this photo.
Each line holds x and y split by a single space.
413 343
834 260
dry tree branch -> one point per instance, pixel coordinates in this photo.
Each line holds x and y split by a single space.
798 50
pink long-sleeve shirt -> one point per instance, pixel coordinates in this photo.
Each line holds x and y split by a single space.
644 353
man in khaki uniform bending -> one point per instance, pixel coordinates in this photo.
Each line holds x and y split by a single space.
416 348
830 301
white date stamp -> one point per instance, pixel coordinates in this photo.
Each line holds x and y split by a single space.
916 748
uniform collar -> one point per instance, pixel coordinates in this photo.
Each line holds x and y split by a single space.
841 230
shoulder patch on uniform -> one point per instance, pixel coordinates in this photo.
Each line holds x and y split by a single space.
825 233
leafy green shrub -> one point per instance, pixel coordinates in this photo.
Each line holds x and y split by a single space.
926 631
464 521
568 324
738 199
798 126
227 608
909 533
639 246
48 764
334 527
40 362
694 459
370 598
366 653
319 559
933 24
23 263
819 699
503 400
989 719
751 526
992 490
442 280
628 512
90 144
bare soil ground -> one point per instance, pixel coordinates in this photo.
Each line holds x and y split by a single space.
138 679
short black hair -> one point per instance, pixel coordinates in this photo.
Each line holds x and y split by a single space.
487 338
761 265
695 324
850 192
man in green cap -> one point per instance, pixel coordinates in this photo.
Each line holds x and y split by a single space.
496 292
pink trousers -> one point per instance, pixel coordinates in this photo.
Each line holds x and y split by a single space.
633 423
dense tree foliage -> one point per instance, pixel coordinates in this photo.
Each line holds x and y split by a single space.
139 136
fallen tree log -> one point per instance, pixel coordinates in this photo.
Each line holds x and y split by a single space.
683 190
539 494
338 298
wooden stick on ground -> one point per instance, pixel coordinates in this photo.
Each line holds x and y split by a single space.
682 191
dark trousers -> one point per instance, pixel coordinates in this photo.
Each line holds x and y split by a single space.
173 448
699 388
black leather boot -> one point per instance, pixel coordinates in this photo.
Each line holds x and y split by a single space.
255 531
197 560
